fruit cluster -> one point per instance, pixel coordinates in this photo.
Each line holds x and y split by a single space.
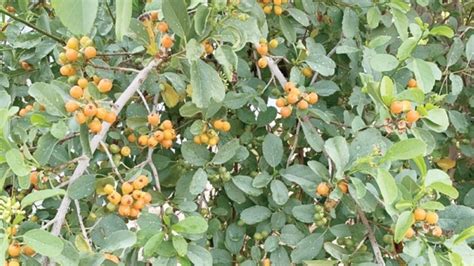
262 50
117 152
132 200
294 98
223 175
320 218
153 26
76 52
164 135
210 136
275 6
429 220
350 244
399 107
15 250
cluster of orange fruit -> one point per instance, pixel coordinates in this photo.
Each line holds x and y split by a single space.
295 97
323 189
398 107
275 6
132 200
210 136
91 114
164 135
34 178
15 249
262 50
75 51
430 220
166 40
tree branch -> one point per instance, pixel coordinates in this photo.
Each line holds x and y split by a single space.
295 143
111 159
373 241
84 162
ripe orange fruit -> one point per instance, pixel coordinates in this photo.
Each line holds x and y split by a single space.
437 231
137 194
280 102
90 52
143 140
412 83
14 250
431 218
13 262
312 98
11 9
289 86
266 262
25 65
285 112
226 126
302 105
34 178
213 140
197 139
262 49
167 143
90 110
204 138
132 138
292 98
152 142
82 82
110 117
80 118
154 15
67 70
409 233
101 113
125 151
73 43
22 112
71 106
114 198
71 55
105 85
277 10
134 213
143 179
138 184
162 27
167 124
168 134
147 198
267 9
127 188
343 186
158 135
277 2
139 204
29 107
262 62
76 92
412 116
323 189
273 43
208 48
85 41
28 251
396 107
166 41
153 119
218 124
95 126
126 200
420 214
307 72
124 210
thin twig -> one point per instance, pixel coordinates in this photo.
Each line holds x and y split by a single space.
259 73
81 223
295 143
111 159
373 241
110 11
144 100
123 69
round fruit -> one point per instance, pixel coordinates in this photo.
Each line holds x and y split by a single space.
105 85
396 107
412 83
101 113
82 82
71 55
147 198
266 262
13 262
158 135
28 251
302 105
124 210
431 218
166 41
343 186
132 138
22 112
85 41
226 126
262 49
289 86
154 15
437 231
166 124
406 106
67 70
125 151
277 10
108 189
134 213
153 119
152 142
137 194
280 102
127 188
162 27
73 43
262 62
168 134
95 126
323 189
208 48
312 98
409 233
139 204
307 72
25 65
213 140
420 214
273 43
110 117
218 124
90 52
197 139
114 198
412 116
126 200
143 140
14 250
90 110
388 239
34 178
267 9
76 92
292 98
80 118
285 112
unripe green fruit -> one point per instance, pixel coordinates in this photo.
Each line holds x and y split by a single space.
363 248
169 211
253 173
257 236
324 220
110 207
348 242
222 170
92 216
265 234
204 211
319 223
226 177
319 208
275 92
318 216
240 223
72 80
340 241
114 148
388 239
240 258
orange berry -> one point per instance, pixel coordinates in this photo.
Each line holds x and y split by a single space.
262 62
218 124
280 102
152 142
307 72
90 52
312 98
213 140
412 116
302 105
134 213
323 189
204 138
277 2
125 151
13 262
262 49
292 98
126 200
90 110
197 139
105 85
95 126
124 210
285 112
137 194
158 135
343 186
114 198
143 179
273 43
25 65
143 140
76 92
28 251
420 214
153 119
267 9
168 134
29 107
277 10
96 79
406 106
147 198
266 262
132 138
80 118
437 231
154 15
208 48
82 82
127 188
85 41
71 55
139 204
412 83
101 113
73 43
289 86
67 70
431 218
110 117
34 178
162 27
226 126
409 233
396 107
167 124
14 250
23 112
166 41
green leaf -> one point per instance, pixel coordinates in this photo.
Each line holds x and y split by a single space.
326 87
77 16
404 222
405 150
59 130
49 95
16 162
272 148
437 120
383 62
123 13
464 235
206 84
304 213
321 64
287 29
387 90
244 183
255 214
195 154
401 23
279 192
432 205
373 17
423 73
338 151
350 23
312 136
194 50
261 180
198 183
470 48
388 186
414 95
308 248
152 245
299 16
227 58
455 51
442 30
82 187
446 189
44 242
200 19
45 148
180 244
226 152
39 195
119 240
407 47
199 255
191 225
176 15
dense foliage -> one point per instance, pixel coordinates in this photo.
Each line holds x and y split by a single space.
228 132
